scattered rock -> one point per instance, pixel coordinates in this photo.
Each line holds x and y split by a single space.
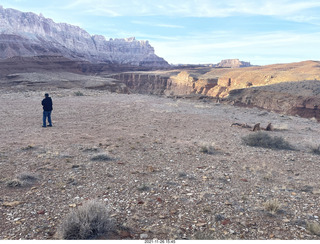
225 222
11 204
143 236
219 217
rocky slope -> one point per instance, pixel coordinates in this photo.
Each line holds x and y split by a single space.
28 34
287 88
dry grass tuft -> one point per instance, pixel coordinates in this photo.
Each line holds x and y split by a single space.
14 183
89 221
272 206
262 139
23 179
207 148
314 228
101 157
78 94
315 150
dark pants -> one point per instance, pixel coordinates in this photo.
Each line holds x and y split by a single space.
47 114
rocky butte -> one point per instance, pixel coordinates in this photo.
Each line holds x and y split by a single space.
28 34
232 63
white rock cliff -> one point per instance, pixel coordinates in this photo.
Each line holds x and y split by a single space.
28 34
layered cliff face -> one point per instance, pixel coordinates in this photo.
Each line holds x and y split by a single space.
295 98
28 34
170 83
286 88
232 63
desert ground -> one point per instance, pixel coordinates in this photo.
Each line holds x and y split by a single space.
159 182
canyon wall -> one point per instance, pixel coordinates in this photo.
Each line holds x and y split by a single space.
28 34
165 83
285 88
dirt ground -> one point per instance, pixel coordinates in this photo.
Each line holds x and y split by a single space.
159 183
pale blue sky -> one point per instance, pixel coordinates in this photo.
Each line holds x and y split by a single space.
198 31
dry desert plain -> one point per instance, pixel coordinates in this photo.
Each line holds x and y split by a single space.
159 183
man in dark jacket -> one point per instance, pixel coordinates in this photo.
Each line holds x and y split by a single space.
47 109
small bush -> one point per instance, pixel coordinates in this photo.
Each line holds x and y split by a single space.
272 206
143 188
23 179
27 177
89 221
101 157
262 139
316 150
14 183
78 93
207 148
314 228
29 147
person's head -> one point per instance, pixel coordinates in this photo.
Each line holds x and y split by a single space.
46 95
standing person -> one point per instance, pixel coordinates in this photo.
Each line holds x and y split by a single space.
47 109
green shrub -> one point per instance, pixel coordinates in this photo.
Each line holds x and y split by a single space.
78 93
262 139
89 221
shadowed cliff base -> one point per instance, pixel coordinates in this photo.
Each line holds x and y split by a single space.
292 89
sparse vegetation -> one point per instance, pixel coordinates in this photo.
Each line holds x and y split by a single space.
182 174
101 157
89 221
262 139
272 206
14 183
27 177
78 93
314 228
23 179
29 147
207 148
143 188
316 150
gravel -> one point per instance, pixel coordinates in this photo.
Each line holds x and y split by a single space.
159 184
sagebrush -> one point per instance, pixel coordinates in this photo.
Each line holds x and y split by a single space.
23 179
314 228
89 221
207 148
101 157
262 139
272 206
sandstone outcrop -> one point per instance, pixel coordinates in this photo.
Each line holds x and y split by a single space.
185 83
28 34
143 82
168 83
232 63
286 88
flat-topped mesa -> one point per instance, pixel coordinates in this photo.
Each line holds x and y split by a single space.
29 34
232 63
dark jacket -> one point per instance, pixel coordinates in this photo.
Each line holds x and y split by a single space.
47 104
